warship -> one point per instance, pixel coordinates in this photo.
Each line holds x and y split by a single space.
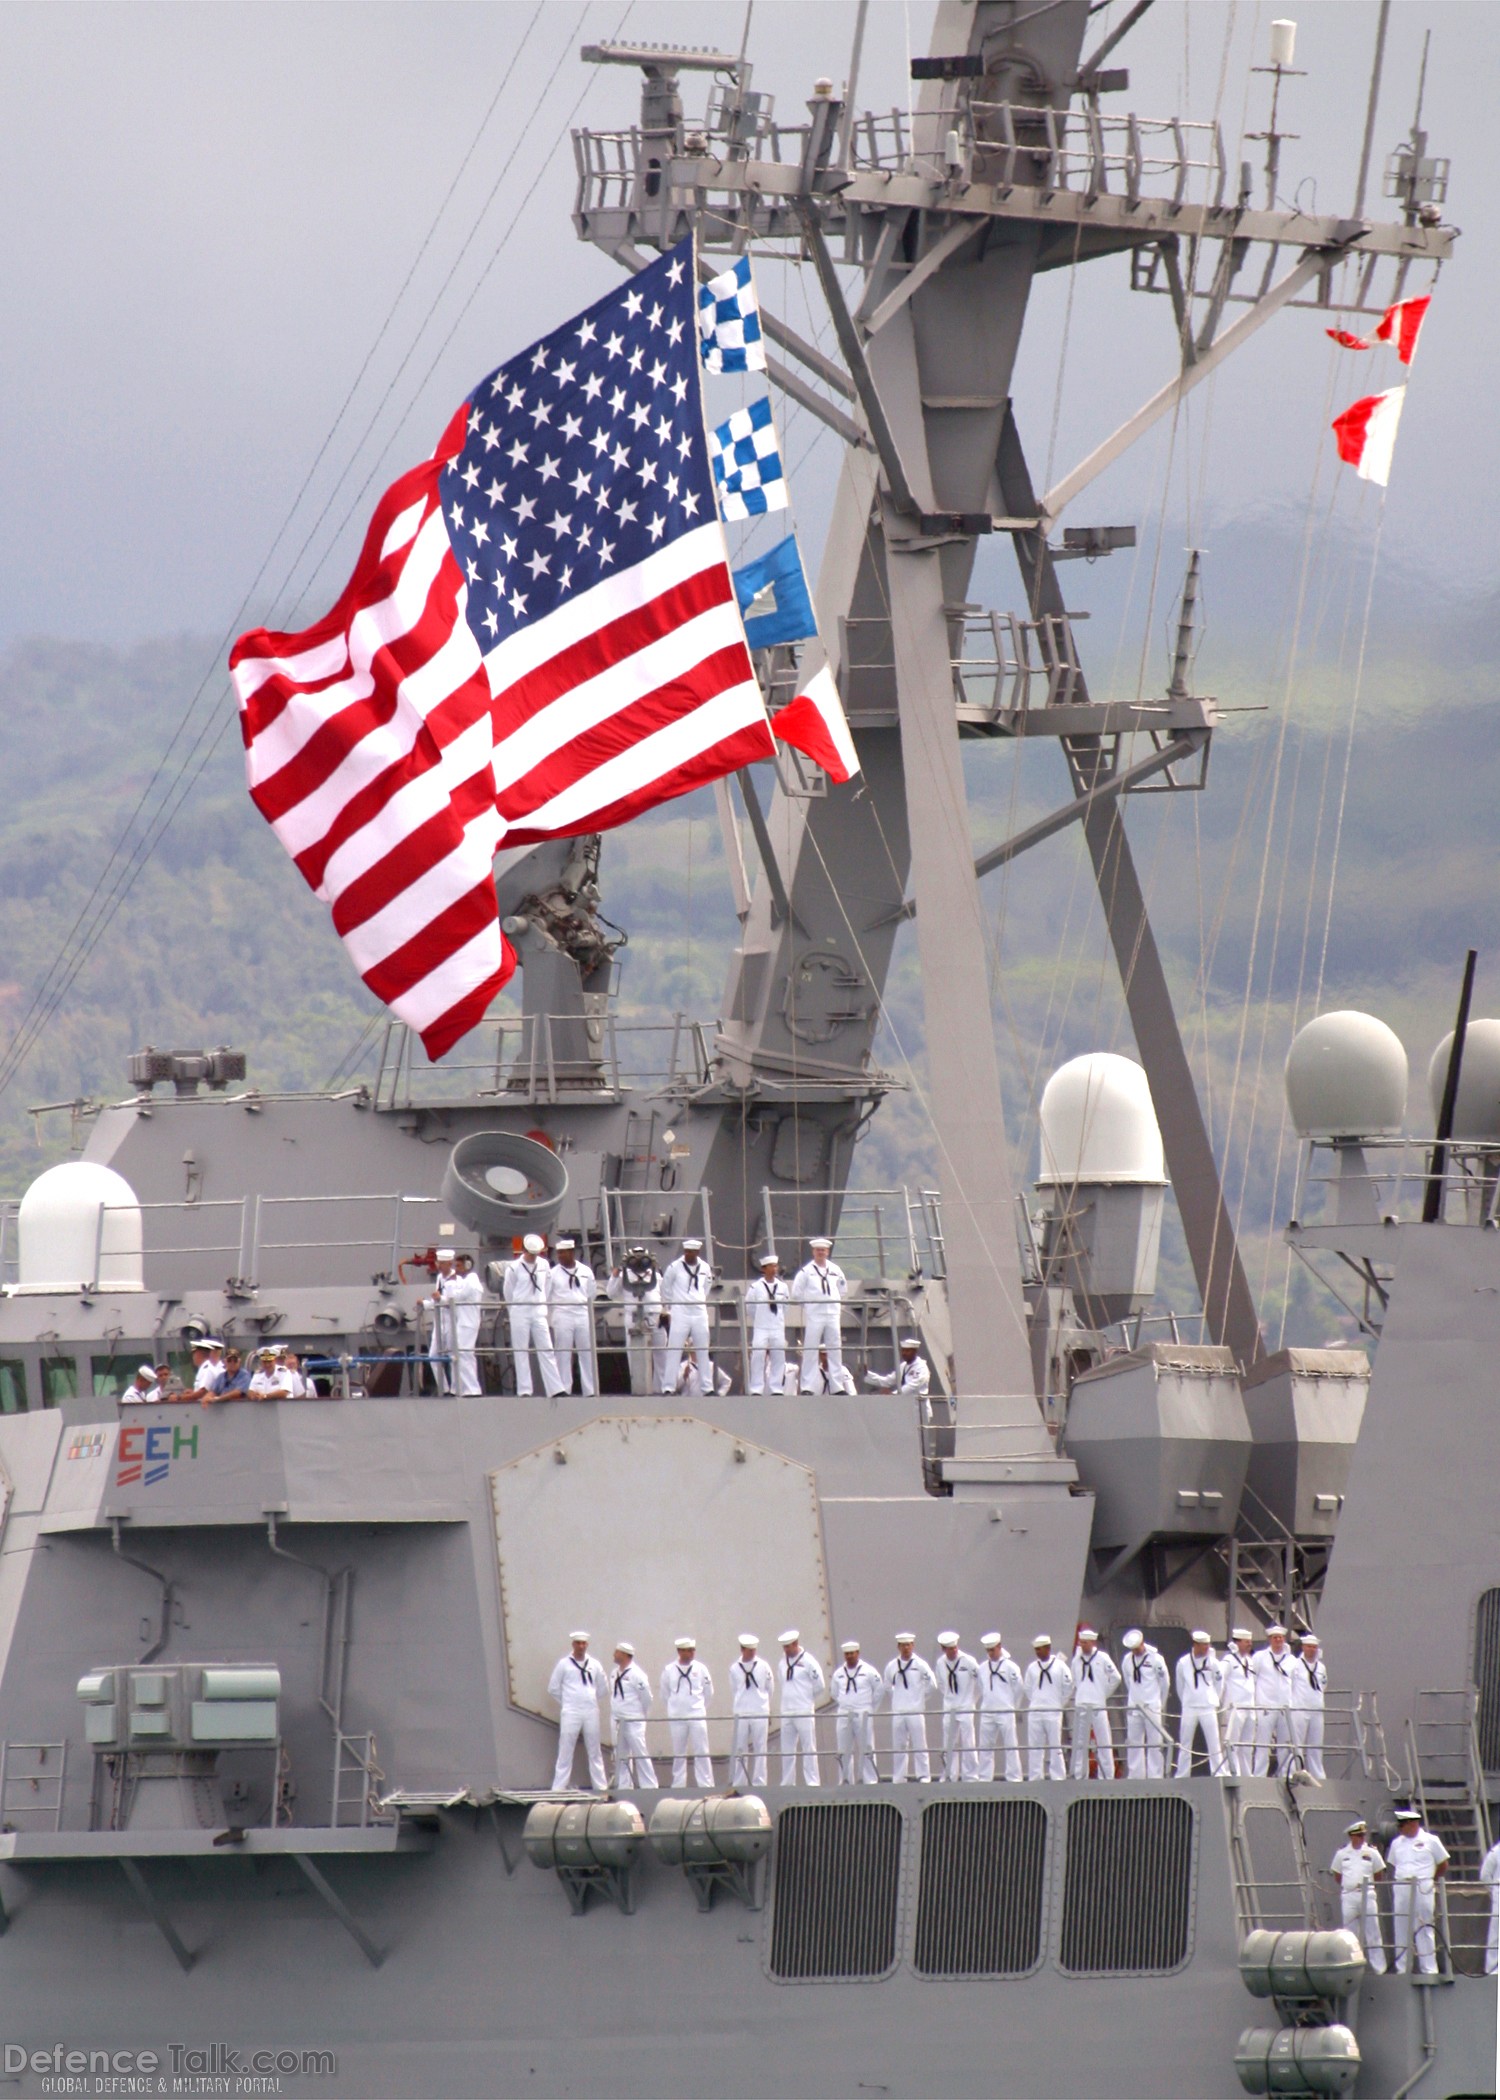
275 1739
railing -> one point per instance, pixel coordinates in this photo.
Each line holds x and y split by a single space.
1383 1180
33 1781
546 1057
881 1232
357 1781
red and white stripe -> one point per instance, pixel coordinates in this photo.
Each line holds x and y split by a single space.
1400 324
814 722
1366 434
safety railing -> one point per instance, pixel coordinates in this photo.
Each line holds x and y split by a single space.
357 1782
33 1783
1385 1180
545 1058
880 1232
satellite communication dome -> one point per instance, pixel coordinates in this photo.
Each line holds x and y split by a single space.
1476 1113
1098 1124
80 1226
1346 1077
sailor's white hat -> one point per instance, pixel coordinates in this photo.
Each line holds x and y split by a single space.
820 1241
909 1341
564 1246
532 1244
768 1257
1087 1633
749 1640
1242 1633
1201 1639
848 1647
948 1639
1310 1640
1408 1815
267 1351
624 1647
989 1640
1275 1629
1359 1823
149 1370
213 1341
1135 1638
684 1640
692 1246
906 1637
201 1341
577 1636
1042 1640
446 1253
789 1638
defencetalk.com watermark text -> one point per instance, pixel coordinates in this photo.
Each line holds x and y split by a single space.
208 2067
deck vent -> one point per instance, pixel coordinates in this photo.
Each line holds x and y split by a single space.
1127 1890
837 1886
979 1912
1487 1677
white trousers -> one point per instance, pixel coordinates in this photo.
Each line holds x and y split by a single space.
1307 1738
530 1329
1044 1751
821 1329
438 1348
1145 1743
687 1324
465 1345
856 1744
959 1759
1194 1719
1492 1938
909 1742
1273 1730
1239 1740
1413 1907
748 1763
1091 1731
633 1768
767 1354
997 1731
799 1736
690 1740
644 1345
1361 1915
579 1721
573 1335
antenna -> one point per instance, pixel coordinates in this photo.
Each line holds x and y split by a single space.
1416 178
1283 51
1187 624
1377 66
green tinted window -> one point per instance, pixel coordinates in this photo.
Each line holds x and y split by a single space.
59 1380
12 1385
111 1374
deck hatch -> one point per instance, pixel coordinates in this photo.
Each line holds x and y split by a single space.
979 1910
1127 1886
836 1891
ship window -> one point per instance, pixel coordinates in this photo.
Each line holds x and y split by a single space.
59 1380
12 1385
111 1374
1487 1677
979 1912
1127 1889
836 1891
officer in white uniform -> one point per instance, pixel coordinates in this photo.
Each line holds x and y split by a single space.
909 1684
1273 1702
463 1300
686 1689
1489 1875
819 1287
637 1286
440 1336
630 1703
1418 1861
857 1688
575 1685
750 1683
571 1291
957 1674
1200 1693
766 1300
800 1685
1001 1692
685 1285
1356 1867
207 1375
1049 1687
1147 1683
1309 1686
1238 1701
1095 1682
912 1374
525 1291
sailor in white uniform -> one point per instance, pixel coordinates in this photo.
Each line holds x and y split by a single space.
571 1291
1147 1683
800 1685
1095 1681
1417 1861
1273 1702
463 1301
1489 1875
575 1684
695 1378
1049 1687
1002 1690
766 1301
1309 1687
750 1682
819 1287
637 1286
524 1289
208 1375
685 1285
912 1374
686 1689
440 1334
957 1674
909 1684
1200 1693
1238 1701
1356 1867
630 1703
857 1688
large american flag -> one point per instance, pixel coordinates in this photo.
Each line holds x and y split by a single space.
540 638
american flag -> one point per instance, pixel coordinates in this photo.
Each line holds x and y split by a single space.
540 638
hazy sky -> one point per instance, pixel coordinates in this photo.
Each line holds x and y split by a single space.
214 229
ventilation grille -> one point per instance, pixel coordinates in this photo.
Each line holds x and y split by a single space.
1487 1677
836 1890
1127 1889
979 1912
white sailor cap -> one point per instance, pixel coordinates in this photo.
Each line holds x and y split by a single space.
948 1640
749 1640
909 1341
1359 1823
1134 1639
1087 1633
1242 1633
790 1638
563 1246
1200 1639
848 1647
768 1259
684 1640
1270 1630
989 1640
200 1341
1408 1815
532 1244
577 1636
906 1637
149 1370
1310 1640
446 1253
213 1341
624 1647
820 1241
692 1246
1042 1640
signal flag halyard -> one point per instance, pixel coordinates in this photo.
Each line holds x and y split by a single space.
540 638
1366 434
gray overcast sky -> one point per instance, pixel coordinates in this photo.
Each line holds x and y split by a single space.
210 210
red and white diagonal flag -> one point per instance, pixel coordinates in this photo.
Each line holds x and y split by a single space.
1401 325
1366 434
815 723
540 638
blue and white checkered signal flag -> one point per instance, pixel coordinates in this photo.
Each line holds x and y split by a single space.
729 322
747 464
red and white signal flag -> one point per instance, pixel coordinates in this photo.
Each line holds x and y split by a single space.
1400 325
814 723
1366 434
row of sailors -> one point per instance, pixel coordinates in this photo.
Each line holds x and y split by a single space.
1271 1704
549 1308
1416 1861
273 1373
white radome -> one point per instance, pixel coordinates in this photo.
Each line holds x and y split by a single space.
1477 1111
1346 1077
62 1244
1098 1124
